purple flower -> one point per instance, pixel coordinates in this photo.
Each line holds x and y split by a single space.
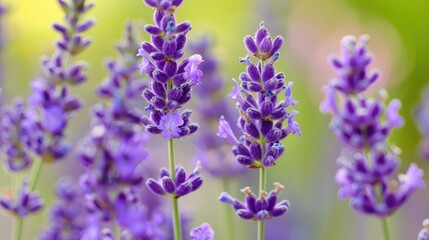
262 208
16 133
225 131
424 233
262 114
66 218
172 78
351 68
170 125
25 202
203 232
422 120
183 185
191 70
365 176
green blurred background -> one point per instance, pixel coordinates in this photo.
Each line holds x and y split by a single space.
399 33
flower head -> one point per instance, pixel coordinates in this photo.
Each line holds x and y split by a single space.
170 125
203 232
191 70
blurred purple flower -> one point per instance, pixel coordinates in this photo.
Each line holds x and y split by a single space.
191 70
203 232
422 121
24 203
424 233
366 170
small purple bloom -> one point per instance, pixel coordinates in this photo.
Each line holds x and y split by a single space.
170 125
203 232
424 233
262 208
191 70
225 131
183 185
24 203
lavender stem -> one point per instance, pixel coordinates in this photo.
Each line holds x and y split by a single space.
35 174
385 228
262 186
228 214
175 206
18 228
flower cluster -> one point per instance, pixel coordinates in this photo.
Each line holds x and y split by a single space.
66 216
214 152
422 120
24 203
172 79
264 120
113 151
182 185
366 169
262 208
51 104
203 232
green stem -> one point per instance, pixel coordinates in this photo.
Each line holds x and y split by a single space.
262 184
175 206
228 213
18 227
35 174
385 229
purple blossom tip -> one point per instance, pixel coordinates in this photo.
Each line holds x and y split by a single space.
203 232
225 131
191 70
413 179
392 115
170 125
224 197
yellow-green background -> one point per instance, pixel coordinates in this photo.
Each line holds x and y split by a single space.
399 40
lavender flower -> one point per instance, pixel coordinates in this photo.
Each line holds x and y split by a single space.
51 103
422 119
424 233
24 203
15 136
262 208
182 186
214 153
172 79
262 117
203 232
113 151
67 220
366 169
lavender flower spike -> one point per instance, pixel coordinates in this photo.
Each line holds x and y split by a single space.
367 168
262 208
173 78
203 232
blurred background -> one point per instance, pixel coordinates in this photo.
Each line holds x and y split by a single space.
399 33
